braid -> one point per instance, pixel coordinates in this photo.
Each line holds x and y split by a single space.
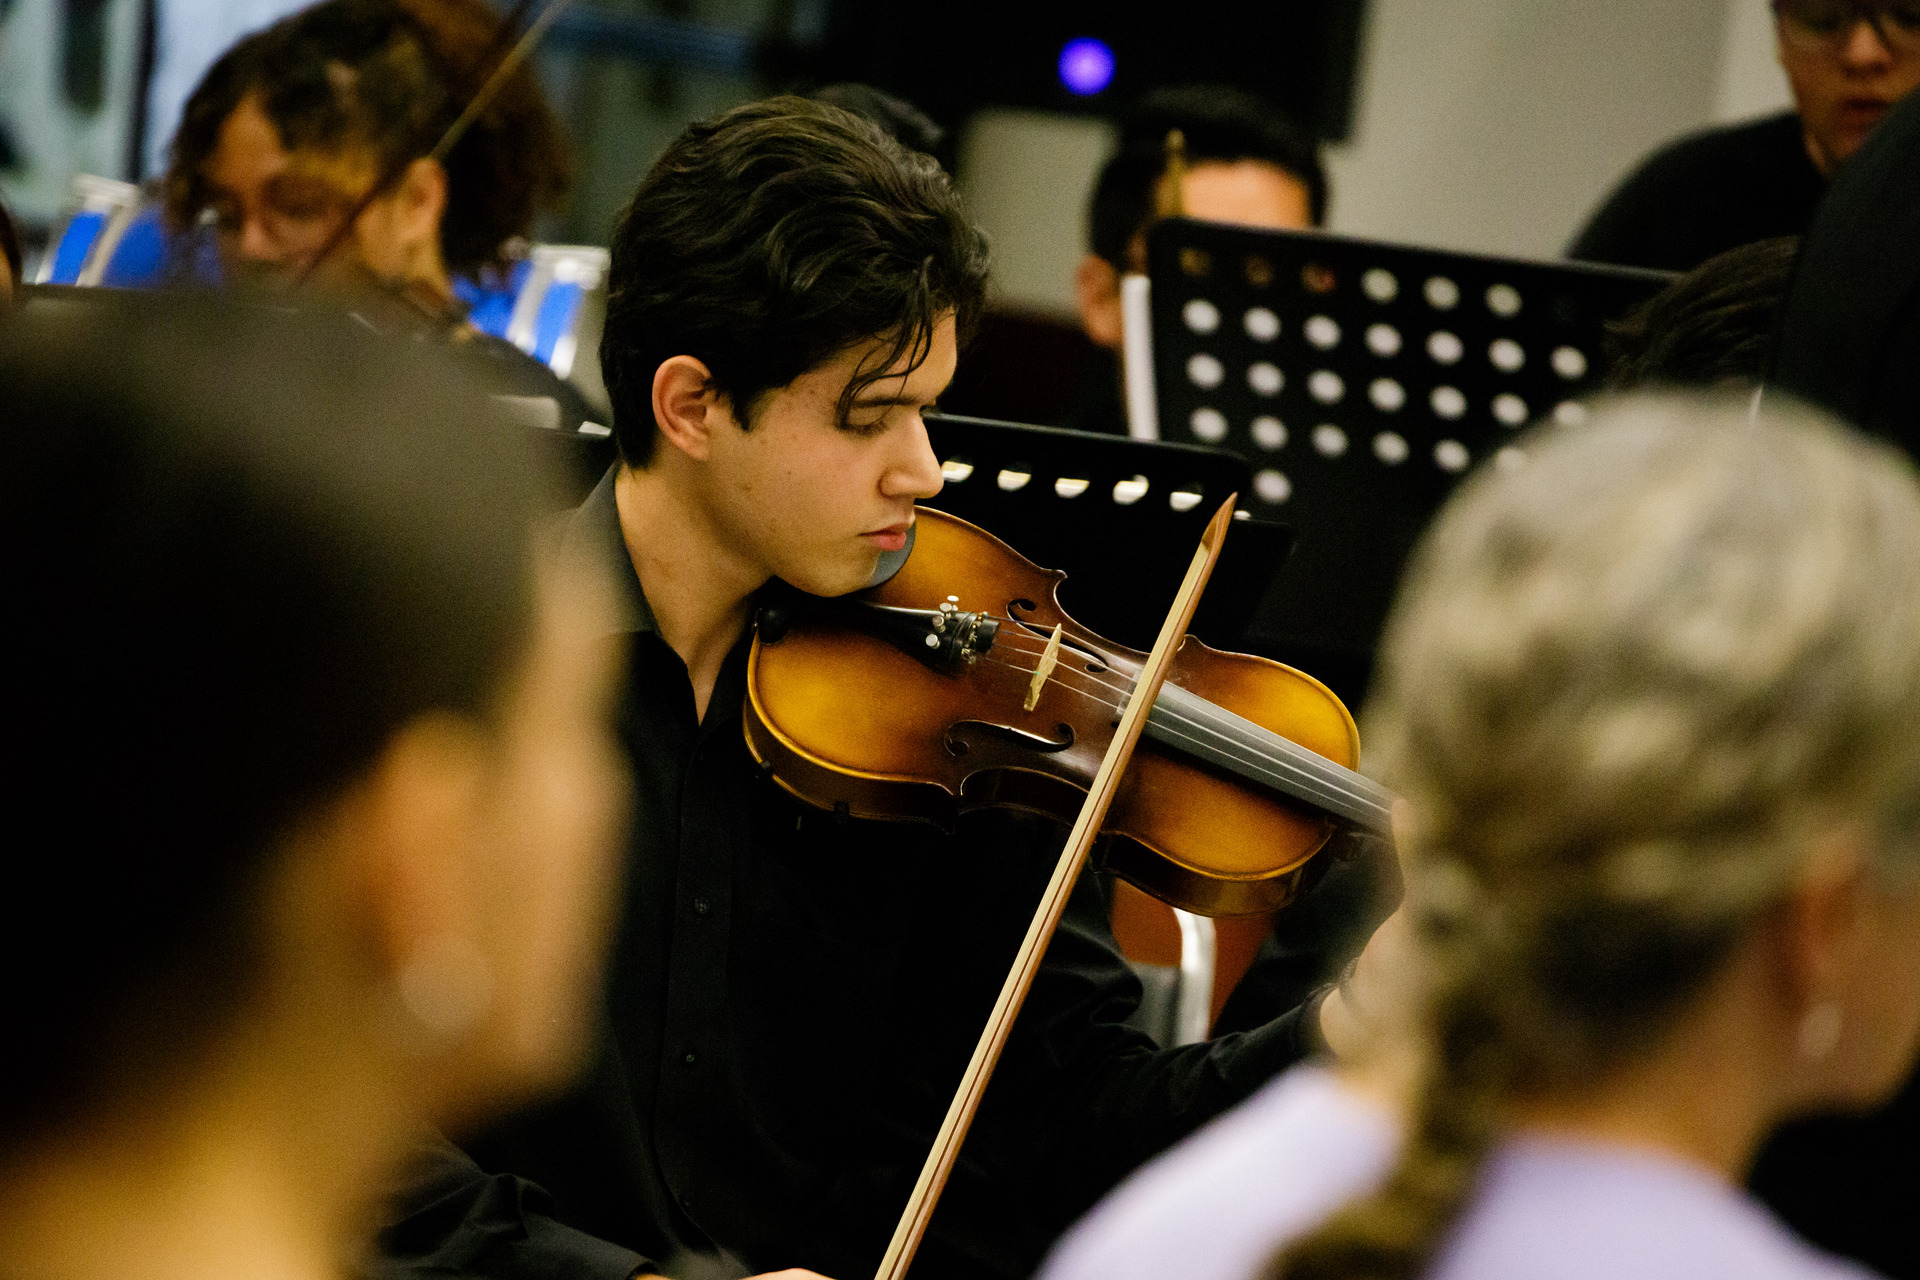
1393 1233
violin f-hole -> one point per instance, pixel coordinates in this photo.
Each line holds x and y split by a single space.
956 745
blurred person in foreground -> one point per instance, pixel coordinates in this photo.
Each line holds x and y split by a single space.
1652 702
1848 62
297 125
316 741
1247 163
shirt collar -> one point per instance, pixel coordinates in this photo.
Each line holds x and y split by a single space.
594 528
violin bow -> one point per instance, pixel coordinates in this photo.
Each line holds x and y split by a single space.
482 98
1053 905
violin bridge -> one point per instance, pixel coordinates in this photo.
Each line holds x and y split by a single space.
1049 659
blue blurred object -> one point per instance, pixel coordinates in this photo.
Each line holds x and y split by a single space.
489 300
558 312
141 257
1086 66
549 305
74 247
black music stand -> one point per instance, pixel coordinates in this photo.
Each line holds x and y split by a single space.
1361 381
1120 517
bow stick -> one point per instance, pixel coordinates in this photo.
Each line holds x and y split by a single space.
482 98
1053 905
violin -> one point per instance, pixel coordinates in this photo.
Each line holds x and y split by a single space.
960 682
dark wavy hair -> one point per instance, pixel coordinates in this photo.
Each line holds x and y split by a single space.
770 239
1713 327
386 78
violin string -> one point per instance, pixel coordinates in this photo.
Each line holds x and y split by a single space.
1295 769
1223 727
1226 737
1335 777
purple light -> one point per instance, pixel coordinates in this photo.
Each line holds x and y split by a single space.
1086 66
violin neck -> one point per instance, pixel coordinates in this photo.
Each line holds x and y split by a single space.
1188 723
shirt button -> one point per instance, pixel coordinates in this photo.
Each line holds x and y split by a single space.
701 906
689 1059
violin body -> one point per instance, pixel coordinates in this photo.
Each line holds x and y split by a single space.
863 724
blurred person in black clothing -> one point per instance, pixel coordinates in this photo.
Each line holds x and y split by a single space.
1248 163
794 994
1848 61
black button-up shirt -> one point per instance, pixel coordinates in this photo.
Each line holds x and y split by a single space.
793 998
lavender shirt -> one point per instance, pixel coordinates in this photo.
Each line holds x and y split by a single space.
1218 1205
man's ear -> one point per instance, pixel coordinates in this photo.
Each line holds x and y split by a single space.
687 407
1096 295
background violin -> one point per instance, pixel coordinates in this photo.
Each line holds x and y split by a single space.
960 682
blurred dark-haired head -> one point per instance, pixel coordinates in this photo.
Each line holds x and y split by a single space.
1713 327
1248 163
772 238
255 551
1222 126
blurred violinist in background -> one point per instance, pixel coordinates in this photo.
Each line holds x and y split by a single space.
336 109
316 736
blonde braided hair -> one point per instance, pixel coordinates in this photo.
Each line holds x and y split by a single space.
1621 689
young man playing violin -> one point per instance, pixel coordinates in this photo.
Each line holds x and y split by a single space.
794 996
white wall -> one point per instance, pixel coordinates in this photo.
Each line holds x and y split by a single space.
1751 82
55 140
1025 176
1486 125
1498 125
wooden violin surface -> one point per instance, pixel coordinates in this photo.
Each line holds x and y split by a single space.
1219 810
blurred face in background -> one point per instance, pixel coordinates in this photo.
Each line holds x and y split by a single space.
1248 193
274 211
1849 62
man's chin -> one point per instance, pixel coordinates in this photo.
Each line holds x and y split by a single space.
834 580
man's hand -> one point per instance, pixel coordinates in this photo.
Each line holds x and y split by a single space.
1351 1013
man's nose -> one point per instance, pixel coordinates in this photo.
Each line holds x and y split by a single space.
916 473
1865 47
256 243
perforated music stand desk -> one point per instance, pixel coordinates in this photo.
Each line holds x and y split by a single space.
1121 517
1361 381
